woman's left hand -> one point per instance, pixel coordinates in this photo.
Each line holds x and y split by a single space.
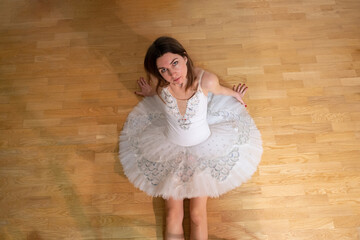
240 89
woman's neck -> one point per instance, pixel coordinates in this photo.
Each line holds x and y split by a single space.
180 92
178 87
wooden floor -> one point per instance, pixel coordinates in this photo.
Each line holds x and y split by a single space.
67 77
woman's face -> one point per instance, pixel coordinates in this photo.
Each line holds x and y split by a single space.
172 67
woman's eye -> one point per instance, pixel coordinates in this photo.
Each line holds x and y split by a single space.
175 63
163 70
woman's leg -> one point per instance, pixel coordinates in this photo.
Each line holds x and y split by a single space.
198 218
174 219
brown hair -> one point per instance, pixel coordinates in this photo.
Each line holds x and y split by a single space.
158 48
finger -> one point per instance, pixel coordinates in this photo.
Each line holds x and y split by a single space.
234 88
243 91
242 102
139 82
146 83
139 93
241 87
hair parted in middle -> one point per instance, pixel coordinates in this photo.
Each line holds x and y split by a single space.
158 48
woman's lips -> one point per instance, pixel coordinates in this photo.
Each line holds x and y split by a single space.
176 79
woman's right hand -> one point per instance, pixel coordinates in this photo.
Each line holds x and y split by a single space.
146 88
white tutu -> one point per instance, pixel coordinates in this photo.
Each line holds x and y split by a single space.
221 163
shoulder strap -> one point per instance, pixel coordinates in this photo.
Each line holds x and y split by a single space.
201 75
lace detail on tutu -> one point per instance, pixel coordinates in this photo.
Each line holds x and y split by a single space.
185 165
181 166
136 123
172 108
242 123
220 168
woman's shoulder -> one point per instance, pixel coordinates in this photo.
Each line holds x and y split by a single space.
208 79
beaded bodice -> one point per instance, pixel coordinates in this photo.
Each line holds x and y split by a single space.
192 127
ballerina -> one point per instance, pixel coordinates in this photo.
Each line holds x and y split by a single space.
190 137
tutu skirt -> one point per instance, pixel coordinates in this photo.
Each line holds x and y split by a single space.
224 161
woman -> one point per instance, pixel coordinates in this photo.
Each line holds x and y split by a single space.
182 142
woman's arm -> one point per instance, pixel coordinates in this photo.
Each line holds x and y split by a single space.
211 83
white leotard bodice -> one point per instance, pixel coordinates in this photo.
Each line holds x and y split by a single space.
191 128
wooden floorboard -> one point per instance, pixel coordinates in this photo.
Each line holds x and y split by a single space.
67 82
